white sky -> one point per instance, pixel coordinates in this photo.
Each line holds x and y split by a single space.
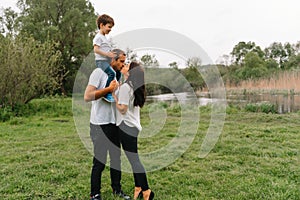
216 25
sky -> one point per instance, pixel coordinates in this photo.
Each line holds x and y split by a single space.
216 25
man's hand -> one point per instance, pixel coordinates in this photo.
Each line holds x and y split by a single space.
113 86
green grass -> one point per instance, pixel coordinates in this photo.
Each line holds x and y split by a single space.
256 157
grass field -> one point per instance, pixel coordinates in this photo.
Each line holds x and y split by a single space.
256 157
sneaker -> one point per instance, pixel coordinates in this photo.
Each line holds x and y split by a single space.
96 197
109 98
121 194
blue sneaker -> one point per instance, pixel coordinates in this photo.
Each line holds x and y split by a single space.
109 98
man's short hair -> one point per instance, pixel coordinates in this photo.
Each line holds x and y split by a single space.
118 53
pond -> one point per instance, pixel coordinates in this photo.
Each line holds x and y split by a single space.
284 103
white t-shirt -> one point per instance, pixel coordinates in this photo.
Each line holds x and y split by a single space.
132 116
104 44
102 112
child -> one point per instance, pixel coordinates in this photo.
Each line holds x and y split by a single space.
102 50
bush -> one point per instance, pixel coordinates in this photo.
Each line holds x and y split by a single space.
28 70
264 107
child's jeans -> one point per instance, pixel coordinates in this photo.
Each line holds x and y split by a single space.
105 66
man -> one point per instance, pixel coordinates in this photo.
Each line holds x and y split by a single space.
103 130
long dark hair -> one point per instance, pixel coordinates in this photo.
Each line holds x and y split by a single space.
136 80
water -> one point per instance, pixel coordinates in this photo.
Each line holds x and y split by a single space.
284 103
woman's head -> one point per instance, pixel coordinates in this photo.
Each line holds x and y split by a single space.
136 80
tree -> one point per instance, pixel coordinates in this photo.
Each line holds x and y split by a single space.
173 65
131 55
194 62
297 48
8 21
28 69
293 62
149 61
192 74
242 48
224 60
70 23
279 52
254 67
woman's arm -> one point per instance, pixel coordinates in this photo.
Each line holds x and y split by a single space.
121 107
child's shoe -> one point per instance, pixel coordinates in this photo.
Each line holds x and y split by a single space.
109 98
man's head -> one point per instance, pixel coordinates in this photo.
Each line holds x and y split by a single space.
118 61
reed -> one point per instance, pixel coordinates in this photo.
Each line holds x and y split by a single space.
287 82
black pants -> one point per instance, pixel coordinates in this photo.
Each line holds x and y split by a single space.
105 139
128 137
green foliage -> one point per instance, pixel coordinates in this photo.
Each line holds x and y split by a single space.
242 49
70 23
166 80
264 108
149 61
50 106
8 21
254 67
194 77
28 70
293 62
279 52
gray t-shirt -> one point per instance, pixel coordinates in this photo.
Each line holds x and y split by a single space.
132 116
104 44
102 112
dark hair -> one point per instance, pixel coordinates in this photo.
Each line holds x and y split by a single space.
136 80
104 19
118 53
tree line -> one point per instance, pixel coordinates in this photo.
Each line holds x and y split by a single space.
44 44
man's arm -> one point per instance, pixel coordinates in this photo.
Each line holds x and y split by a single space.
91 93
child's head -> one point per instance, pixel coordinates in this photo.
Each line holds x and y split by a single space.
104 19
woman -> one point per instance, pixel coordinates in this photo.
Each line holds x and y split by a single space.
131 97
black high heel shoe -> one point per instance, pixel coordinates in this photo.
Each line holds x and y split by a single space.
140 196
148 195
151 195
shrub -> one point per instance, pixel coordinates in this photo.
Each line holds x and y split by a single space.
28 70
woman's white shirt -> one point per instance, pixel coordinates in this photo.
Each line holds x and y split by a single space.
132 116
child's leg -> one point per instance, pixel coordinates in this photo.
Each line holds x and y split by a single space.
111 75
105 66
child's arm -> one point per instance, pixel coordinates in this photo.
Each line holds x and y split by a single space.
103 53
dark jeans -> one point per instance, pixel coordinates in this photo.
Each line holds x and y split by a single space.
105 139
128 137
